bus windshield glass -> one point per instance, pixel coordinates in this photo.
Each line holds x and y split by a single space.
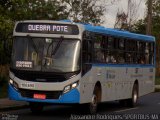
46 54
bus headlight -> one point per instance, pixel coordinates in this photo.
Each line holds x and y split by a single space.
11 81
74 85
67 88
14 84
70 87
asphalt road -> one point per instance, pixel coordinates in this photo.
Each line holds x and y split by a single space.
148 108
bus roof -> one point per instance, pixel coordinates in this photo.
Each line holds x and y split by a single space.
99 29
114 32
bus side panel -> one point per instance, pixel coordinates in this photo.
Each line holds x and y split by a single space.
116 81
122 83
147 84
113 80
86 87
116 85
88 82
109 84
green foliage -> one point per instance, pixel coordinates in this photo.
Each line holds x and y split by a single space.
157 81
2 80
87 11
140 27
6 27
37 10
3 87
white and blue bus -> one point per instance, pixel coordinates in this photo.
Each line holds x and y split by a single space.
64 62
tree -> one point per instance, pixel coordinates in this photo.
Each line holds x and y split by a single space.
87 11
6 27
121 20
5 39
140 27
125 20
37 9
149 17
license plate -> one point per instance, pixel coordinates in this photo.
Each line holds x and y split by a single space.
27 85
39 96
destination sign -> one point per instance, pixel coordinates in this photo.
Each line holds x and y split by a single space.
47 28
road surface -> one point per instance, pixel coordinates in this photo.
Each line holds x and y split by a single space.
148 108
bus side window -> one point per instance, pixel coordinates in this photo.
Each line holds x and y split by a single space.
86 56
111 57
151 51
111 48
110 43
99 49
147 53
120 57
121 46
99 55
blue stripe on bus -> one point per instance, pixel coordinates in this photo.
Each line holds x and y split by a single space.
122 65
118 33
71 97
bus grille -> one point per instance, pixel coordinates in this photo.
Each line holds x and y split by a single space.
39 76
49 94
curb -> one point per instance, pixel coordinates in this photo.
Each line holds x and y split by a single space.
157 88
16 107
7 104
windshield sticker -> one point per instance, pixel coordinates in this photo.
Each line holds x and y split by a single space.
24 64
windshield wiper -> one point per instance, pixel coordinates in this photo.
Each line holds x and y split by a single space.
55 48
34 45
58 45
48 59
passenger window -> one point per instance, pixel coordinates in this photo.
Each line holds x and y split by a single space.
111 57
121 44
110 42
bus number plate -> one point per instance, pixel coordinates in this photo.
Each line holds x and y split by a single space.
39 96
28 85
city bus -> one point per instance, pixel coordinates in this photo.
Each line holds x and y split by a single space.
62 62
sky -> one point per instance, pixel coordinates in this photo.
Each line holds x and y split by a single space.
110 17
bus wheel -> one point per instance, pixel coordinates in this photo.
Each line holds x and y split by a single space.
96 98
35 107
93 105
133 101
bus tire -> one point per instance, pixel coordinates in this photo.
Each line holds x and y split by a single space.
96 97
35 107
133 101
93 105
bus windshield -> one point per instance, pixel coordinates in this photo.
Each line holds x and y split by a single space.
46 54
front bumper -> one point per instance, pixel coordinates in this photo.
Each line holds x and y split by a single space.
72 96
